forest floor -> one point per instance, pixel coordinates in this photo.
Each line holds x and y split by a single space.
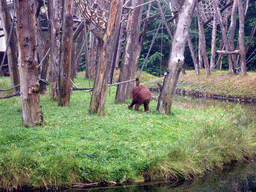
75 149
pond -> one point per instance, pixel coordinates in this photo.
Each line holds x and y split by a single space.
233 179
204 103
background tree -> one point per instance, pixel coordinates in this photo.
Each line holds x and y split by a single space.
11 38
28 66
129 60
65 61
54 10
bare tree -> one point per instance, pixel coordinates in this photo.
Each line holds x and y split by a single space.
176 59
54 10
129 65
65 61
203 42
11 38
224 35
28 65
102 76
213 46
241 11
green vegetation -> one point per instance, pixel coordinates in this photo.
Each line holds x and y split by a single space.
219 82
73 146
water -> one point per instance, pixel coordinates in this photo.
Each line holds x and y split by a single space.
233 179
204 103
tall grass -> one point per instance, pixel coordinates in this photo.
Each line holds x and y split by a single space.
73 146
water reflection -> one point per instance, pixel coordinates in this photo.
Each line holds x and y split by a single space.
233 179
204 103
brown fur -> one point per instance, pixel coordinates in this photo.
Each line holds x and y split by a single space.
141 95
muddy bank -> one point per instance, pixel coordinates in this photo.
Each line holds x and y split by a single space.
198 94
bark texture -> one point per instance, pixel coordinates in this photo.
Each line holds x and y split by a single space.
28 65
54 20
129 65
203 42
102 76
12 51
241 11
65 62
224 35
176 59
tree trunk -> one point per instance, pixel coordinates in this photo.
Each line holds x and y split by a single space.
77 46
28 65
193 55
176 59
200 58
54 8
94 49
220 56
241 37
224 35
43 49
119 46
190 44
128 65
12 51
251 37
232 29
109 40
203 43
213 46
65 62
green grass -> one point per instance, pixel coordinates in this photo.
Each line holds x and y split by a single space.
219 82
73 146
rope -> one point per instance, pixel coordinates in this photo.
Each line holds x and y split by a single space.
250 57
152 42
10 88
119 83
127 7
80 89
9 96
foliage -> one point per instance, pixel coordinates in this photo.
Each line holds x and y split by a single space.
163 40
73 146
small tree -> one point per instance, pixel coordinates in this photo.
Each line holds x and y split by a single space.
28 65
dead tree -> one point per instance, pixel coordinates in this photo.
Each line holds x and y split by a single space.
54 10
11 38
241 11
224 35
28 65
65 59
176 59
202 42
103 69
129 65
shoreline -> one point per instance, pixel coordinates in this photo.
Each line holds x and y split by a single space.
198 94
